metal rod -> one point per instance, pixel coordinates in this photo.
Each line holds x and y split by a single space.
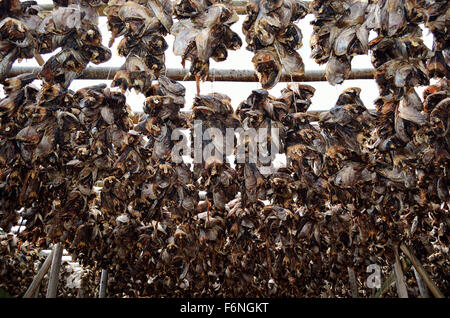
239 6
103 284
422 272
31 291
54 271
399 277
179 74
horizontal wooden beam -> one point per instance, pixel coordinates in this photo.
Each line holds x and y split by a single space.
215 75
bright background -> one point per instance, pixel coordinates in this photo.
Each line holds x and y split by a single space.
324 98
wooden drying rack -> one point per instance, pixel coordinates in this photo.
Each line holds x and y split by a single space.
226 75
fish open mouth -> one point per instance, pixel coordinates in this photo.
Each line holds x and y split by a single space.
268 69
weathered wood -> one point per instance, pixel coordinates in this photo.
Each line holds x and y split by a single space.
399 277
422 272
216 75
36 294
103 284
39 59
423 289
353 283
31 291
54 271
82 290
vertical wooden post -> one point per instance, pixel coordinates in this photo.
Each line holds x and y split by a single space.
33 289
82 289
103 284
423 289
353 283
36 293
399 278
54 271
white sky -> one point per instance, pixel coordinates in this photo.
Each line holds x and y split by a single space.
324 98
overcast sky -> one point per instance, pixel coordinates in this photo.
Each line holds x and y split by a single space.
324 98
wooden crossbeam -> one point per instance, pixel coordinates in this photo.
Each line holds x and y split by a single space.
216 75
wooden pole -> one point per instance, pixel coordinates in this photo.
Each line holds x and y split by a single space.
31 291
36 294
225 75
399 277
353 283
82 289
54 271
39 59
423 289
103 284
422 272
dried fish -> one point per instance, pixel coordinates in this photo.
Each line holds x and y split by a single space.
143 26
80 168
203 32
340 31
437 15
17 33
271 34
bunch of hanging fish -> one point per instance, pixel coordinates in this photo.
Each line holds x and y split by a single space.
143 25
17 24
203 32
26 32
339 33
273 37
